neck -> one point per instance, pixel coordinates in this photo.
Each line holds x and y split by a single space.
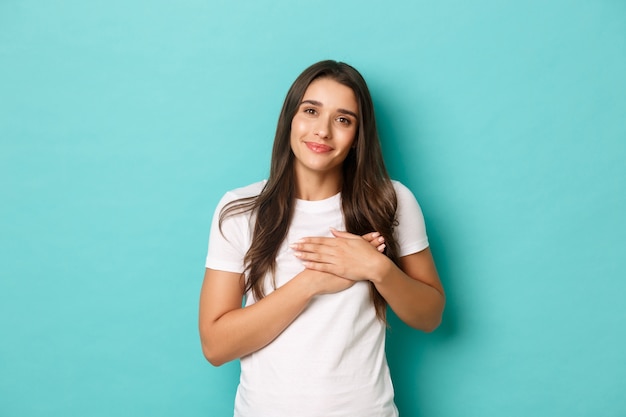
316 186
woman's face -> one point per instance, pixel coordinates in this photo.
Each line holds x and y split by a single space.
324 127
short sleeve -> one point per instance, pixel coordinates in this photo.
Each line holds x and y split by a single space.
411 229
228 246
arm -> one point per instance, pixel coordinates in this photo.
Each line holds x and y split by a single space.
228 331
412 289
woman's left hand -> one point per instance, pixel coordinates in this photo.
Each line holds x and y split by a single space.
346 255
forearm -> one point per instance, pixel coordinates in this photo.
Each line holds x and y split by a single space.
242 331
412 289
416 303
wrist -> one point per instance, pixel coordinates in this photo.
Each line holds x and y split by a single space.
380 269
308 286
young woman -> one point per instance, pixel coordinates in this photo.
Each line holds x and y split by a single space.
317 251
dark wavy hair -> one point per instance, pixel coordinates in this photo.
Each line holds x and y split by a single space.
368 198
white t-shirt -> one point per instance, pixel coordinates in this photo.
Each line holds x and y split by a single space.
331 360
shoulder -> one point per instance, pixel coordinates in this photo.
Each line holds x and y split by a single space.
403 192
407 203
411 229
398 186
251 190
231 219
232 196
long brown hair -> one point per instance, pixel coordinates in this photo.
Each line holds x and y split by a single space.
368 198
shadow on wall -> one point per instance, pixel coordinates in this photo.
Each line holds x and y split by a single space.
407 349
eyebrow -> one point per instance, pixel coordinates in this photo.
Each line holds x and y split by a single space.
319 104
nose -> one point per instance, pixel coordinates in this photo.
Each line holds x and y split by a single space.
322 128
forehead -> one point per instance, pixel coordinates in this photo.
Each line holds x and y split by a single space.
331 93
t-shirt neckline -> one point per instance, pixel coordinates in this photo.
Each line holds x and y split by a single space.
319 206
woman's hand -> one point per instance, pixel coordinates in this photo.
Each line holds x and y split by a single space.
376 240
345 255
321 283
328 283
229 331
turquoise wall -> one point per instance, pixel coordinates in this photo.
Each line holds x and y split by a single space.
122 124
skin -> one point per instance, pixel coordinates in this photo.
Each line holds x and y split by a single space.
228 331
322 132
413 290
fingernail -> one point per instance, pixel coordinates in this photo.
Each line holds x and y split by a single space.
381 239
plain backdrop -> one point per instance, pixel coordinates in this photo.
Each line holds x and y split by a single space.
122 123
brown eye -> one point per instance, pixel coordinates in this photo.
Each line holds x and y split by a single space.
344 121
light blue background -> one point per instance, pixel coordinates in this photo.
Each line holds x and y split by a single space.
122 124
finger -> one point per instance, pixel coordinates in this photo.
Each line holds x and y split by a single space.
316 257
330 241
378 242
374 238
306 247
370 236
346 235
323 267
316 266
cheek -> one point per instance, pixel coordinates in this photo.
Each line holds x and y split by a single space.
298 126
349 138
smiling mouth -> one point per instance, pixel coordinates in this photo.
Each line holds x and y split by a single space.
318 147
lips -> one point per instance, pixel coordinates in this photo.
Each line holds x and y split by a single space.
318 147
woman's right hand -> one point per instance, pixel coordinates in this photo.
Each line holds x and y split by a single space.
323 282
229 331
